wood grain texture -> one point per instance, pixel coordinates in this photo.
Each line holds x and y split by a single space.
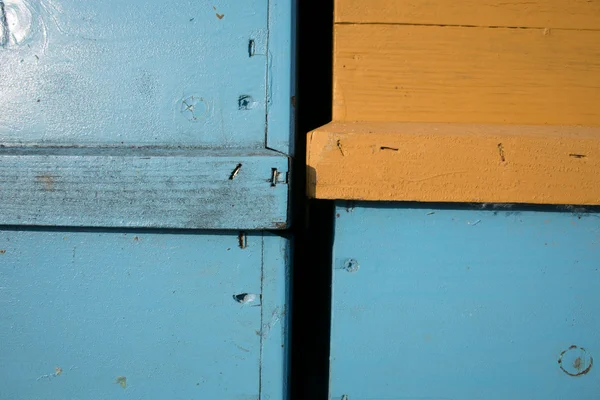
455 163
466 75
143 188
567 14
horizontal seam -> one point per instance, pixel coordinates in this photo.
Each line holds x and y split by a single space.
465 26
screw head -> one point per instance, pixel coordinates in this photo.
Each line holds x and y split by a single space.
351 265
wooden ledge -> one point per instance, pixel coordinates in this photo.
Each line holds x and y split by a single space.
455 163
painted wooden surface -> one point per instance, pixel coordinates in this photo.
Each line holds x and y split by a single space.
140 315
466 74
455 163
281 76
135 72
446 303
565 14
154 106
143 188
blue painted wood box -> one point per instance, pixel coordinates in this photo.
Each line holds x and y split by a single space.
142 315
456 302
144 152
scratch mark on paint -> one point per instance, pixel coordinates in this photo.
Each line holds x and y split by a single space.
430 213
242 349
235 171
339 146
501 151
433 176
275 318
121 380
474 223
57 372
577 155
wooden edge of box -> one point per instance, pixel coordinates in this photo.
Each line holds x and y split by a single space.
429 162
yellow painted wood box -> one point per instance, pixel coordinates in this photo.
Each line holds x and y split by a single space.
462 101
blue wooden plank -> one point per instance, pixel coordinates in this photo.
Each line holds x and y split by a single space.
440 303
281 76
139 72
275 318
131 315
143 188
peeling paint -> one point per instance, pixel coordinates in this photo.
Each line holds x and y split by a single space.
245 298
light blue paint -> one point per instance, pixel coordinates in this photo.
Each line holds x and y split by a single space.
280 76
115 72
155 308
145 77
275 318
464 304
144 188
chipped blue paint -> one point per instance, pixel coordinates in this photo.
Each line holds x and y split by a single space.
465 304
139 315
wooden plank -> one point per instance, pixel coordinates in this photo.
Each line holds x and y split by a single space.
100 305
455 163
143 188
439 302
466 75
567 14
275 317
96 73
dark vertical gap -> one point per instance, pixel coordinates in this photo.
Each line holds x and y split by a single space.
312 221
4 31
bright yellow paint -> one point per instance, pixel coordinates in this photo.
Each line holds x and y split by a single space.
466 75
570 14
455 163
421 74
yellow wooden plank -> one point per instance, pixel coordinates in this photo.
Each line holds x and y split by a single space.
568 14
455 163
466 75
